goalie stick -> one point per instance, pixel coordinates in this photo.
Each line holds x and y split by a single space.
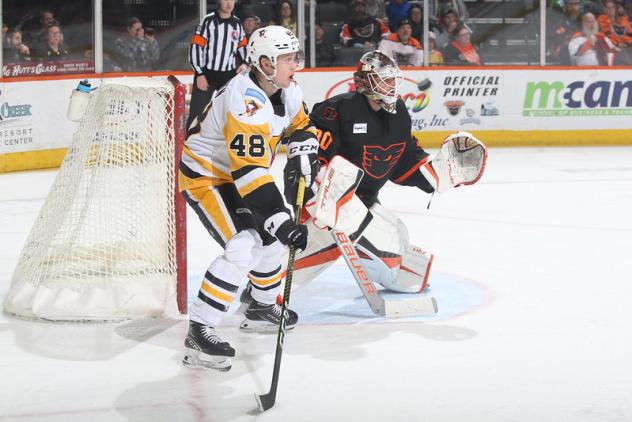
266 401
404 305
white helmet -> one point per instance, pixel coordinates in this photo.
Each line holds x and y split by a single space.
272 41
378 77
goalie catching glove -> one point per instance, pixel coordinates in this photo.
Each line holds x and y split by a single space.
302 160
460 161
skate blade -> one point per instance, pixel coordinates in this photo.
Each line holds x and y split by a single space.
262 326
197 359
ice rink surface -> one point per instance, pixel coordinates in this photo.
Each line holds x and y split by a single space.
533 277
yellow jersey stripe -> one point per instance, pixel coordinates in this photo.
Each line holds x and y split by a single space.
206 165
214 210
258 182
216 294
265 282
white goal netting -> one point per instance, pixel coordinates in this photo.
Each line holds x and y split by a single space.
103 246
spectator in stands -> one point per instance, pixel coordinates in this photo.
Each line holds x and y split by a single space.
16 51
54 49
616 28
325 53
447 25
376 8
5 34
622 9
402 47
591 47
251 23
436 56
46 19
136 51
416 18
562 27
284 16
595 7
460 51
396 10
440 7
6 42
362 30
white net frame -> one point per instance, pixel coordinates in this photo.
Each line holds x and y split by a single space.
104 244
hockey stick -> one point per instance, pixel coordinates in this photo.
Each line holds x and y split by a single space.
266 401
404 305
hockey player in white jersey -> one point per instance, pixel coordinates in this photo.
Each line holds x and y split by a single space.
225 177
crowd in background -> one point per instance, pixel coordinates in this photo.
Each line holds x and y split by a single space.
579 32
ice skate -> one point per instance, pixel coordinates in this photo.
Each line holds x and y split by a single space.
245 298
205 349
264 317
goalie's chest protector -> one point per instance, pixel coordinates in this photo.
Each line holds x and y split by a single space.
373 141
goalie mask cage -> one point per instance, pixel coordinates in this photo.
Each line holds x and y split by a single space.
110 240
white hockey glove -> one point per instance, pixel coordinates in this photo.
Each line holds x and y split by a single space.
460 161
302 160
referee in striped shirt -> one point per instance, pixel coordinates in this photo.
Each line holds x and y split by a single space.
217 47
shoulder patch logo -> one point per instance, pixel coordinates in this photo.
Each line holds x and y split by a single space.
330 113
251 107
250 92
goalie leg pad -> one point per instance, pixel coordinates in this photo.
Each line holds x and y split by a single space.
388 257
460 161
413 272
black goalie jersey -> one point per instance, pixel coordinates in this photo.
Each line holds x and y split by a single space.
380 143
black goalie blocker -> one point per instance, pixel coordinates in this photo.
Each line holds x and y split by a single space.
302 160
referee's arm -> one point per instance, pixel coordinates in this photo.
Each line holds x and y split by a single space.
198 52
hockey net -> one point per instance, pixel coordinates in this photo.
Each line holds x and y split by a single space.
109 242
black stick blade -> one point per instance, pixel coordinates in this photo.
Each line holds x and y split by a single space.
265 401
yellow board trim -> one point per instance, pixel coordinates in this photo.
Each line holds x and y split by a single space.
51 158
31 160
535 138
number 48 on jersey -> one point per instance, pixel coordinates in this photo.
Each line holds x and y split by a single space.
253 147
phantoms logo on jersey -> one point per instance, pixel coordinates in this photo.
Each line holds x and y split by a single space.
378 161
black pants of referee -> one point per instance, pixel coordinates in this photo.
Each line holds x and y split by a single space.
199 98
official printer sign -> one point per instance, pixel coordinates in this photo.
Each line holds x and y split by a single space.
578 98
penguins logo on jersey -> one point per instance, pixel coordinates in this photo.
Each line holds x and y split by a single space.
379 161
251 107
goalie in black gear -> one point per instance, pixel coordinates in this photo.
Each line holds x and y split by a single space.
371 128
